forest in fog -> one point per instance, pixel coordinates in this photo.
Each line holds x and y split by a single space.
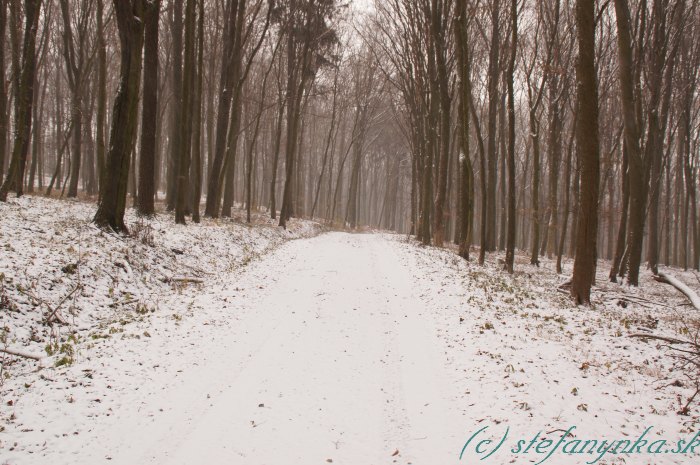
560 128
349 231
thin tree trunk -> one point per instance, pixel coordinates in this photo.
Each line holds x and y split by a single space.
196 170
489 212
510 239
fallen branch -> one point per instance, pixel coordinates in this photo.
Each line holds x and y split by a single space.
670 340
20 353
53 311
688 292
124 302
184 279
687 361
637 300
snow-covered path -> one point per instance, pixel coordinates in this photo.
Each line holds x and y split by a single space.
331 358
355 349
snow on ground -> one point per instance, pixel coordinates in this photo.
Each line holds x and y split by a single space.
353 349
103 286
530 360
51 251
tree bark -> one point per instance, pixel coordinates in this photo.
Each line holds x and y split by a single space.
510 236
196 171
145 204
638 172
3 90
438 12
489 215
112 205
466 173
185 153
101 149
587 147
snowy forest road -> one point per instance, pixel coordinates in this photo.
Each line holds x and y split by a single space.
355 349
331 358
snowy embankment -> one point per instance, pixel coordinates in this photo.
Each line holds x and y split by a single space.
56 267
531 361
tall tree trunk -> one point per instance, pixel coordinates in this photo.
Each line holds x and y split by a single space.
226 84
510 239
437 29
101 95
638 172
489 214
466 172
587 147
184 161
503 166
145 204
662 80
332 132
196 171
3 89
298 63
232 78
535 194
73 52
112 205
177 106
256 131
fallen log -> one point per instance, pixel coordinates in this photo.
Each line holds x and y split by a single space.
20 353
681 286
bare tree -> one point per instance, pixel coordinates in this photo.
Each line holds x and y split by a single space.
466 172
305 24
24 100
76 17
510 240
112 204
